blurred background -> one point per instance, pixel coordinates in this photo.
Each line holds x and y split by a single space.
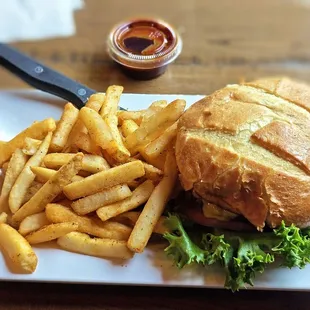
224 41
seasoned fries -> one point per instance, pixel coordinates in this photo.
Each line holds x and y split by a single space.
154 207
135 116
108 111
159 145
85 143
44 174
151 172
50 189
37 130
117 148
31 191
64 126
105 179
3 217
17 249
82 243
90 163
57 213
51 232
128 127
111 101
97 128
93 202
96 181
95 103
31 146
155 107
15 167
161 120
32 223
132 217
139 196
26 177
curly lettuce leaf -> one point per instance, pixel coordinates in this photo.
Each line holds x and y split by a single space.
249 260
216 246
242 259
183 250
293 246
242 255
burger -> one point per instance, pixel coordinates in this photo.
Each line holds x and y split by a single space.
243 154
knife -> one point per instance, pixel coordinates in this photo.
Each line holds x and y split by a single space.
44 78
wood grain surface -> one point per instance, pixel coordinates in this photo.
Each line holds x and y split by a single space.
224 41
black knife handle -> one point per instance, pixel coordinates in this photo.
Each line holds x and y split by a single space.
42 77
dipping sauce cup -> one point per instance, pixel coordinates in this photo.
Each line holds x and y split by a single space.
144 47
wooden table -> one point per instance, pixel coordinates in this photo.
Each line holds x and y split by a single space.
224 41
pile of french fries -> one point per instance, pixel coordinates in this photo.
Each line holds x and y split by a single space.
97 181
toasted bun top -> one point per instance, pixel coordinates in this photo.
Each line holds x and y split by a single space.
247 148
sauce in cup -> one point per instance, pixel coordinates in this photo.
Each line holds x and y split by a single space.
144 47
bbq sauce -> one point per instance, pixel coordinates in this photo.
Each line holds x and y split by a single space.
144 48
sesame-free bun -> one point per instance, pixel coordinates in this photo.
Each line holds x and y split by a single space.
246 148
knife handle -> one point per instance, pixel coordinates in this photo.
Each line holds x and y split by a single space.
42 77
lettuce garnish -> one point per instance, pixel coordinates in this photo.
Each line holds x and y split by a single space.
242 255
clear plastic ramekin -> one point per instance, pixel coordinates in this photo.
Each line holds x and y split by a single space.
144 47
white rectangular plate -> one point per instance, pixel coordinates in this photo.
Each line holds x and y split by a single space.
18 109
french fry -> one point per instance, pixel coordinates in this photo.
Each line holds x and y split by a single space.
159 145
107 196
85 143
50 189
139 196
18 249
91 163
97 128
2 176
68 119
58 213
31 146
3 217
111 161
135 183
132 217
32 190
151 172
44 174
32 223
128 127
15 166
4 167
108 111
111 100
117 148
51 232
82 243
160 121
155 107
119 228
154 207
26 177
95 103
37 130
158 162
135 116
105 179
